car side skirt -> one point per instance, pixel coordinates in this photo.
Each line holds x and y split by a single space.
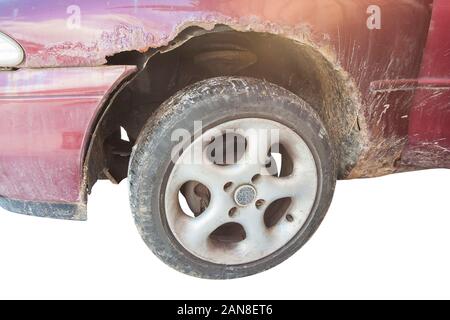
54 210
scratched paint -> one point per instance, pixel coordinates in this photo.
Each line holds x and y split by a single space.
44 125
337 29
429 130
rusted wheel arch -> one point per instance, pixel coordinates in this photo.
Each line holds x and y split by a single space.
197 54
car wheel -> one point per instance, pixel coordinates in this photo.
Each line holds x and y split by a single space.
230 177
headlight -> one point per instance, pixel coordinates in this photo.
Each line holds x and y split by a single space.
11 53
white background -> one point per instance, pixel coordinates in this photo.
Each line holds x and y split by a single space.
383 238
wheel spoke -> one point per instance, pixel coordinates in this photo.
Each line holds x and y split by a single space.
205 174
196 232
258 145
258 236
301 185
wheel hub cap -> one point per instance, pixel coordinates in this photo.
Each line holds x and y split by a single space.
229 225
245 195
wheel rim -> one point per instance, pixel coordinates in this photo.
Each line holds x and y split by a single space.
246 210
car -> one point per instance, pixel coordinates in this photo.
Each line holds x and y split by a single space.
231 119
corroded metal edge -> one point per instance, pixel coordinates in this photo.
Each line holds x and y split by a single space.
54 210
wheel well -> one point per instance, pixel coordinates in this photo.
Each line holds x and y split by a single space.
197 55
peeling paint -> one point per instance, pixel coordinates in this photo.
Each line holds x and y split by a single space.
376 72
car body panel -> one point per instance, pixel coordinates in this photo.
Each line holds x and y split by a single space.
429 130
44 128
381 67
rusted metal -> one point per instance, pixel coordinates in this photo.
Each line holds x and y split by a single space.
387 87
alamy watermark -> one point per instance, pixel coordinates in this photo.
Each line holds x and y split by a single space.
74 20
374 20
224 147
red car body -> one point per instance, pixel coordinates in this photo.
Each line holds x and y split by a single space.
397 73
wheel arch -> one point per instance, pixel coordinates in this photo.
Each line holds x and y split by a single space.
196 54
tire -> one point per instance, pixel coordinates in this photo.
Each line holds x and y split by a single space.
215 102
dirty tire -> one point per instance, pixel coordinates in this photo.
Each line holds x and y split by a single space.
215 101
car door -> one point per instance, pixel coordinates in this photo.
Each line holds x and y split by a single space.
429 125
